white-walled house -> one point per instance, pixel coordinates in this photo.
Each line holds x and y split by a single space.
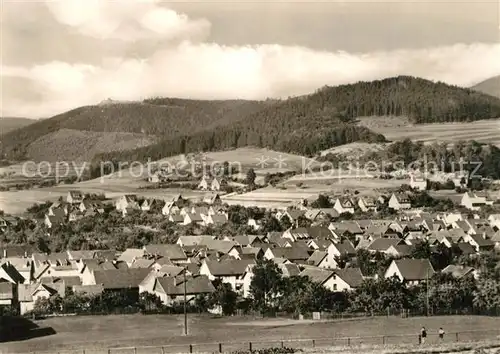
337 280
344 205
473 201
230 271
399 201
418 182
410 271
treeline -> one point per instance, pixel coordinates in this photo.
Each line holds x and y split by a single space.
273 292
462 155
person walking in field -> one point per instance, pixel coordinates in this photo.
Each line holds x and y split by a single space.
441 334
423 335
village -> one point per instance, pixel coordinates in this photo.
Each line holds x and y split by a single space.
320 239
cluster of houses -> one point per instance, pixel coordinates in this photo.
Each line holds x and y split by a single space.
75 206
211 212
197 260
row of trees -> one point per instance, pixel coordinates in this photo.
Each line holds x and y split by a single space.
271 291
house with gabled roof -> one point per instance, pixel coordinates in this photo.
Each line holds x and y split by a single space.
128 201
344 205
479 242
218 183
176 218
399 201
130 254
170 208
459 272
120 279
367 204
212 199
74 197
173 252
28 294
320 259
294 234
190 218
336 280
171 289
293 254
398 251
230 271
9 273
418 182
475 200
383 244
410 271
292 214
216 219
345 248
149 204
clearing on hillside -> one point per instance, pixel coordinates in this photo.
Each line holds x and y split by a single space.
485 131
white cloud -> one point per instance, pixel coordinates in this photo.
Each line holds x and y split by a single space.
211 71
126 20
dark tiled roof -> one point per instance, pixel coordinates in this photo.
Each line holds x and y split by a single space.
317 275
291 253
415 269
229 267
194 285
382 244
120 278
6 291
351 276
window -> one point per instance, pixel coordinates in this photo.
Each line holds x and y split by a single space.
334 287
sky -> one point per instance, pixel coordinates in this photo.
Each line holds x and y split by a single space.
60 54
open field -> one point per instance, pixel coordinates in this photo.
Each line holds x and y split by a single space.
486 131
97 332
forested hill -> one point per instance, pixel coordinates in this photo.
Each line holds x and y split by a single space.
422 100
159 117
303 124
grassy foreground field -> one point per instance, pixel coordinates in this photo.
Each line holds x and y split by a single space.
97 333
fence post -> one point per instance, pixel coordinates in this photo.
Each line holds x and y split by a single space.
314 343
282 344
220 347
250 346
383 340
348 341
456 336
190 348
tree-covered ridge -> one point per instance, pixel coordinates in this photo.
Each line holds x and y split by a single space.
422 100
307 140
166 118
193 125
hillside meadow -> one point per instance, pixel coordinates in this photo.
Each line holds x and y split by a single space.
484 131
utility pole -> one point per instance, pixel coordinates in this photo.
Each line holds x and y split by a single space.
427 292
185 306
